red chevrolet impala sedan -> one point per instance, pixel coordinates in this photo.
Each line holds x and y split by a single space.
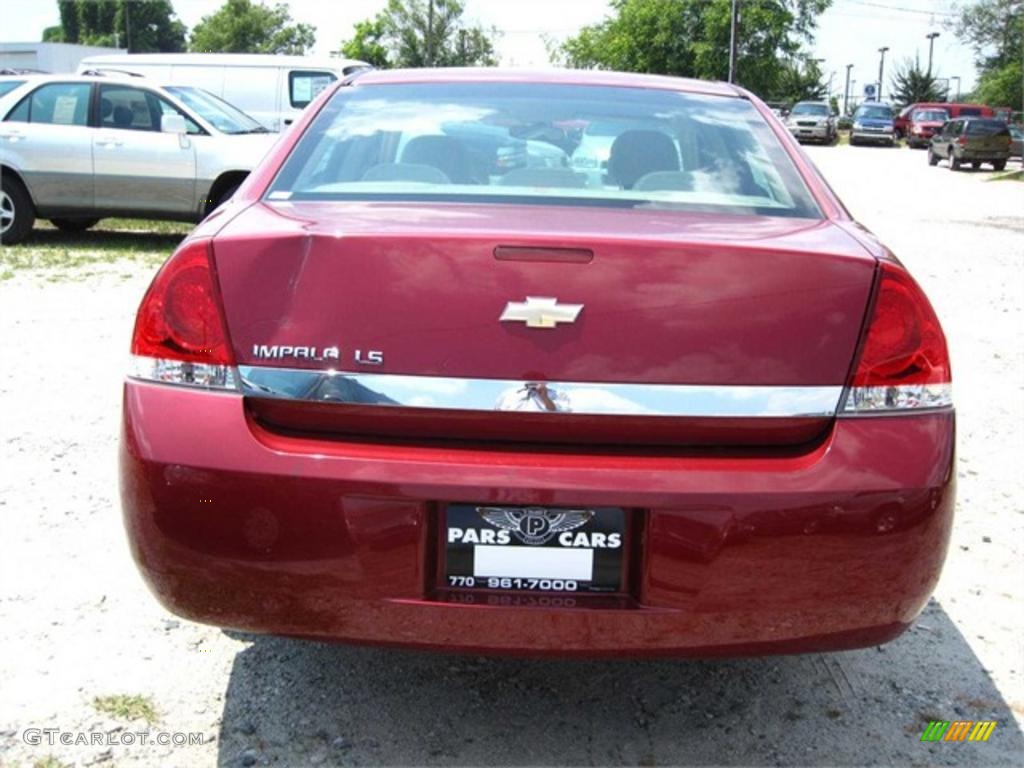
561 363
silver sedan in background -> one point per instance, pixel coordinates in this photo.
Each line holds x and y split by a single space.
75 149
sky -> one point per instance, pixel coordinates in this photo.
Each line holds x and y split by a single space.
849 32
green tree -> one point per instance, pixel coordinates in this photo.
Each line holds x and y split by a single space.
911 84
421 33
798 81
243 26
367 44
141 26
690 38
995 30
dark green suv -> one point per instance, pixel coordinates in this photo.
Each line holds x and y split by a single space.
973 140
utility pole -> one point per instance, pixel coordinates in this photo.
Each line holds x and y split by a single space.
846 93
430 33
733 23
931 44
127 28
881 69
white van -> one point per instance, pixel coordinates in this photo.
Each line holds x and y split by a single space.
272 89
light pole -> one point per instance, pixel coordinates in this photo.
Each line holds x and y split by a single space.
881 69
846 93
931 44
430 33
957 78
733 23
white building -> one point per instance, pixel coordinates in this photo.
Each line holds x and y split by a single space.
49 57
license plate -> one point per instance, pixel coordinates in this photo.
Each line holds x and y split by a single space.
534 549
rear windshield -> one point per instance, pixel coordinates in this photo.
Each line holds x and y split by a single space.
931 115
544 145
986 128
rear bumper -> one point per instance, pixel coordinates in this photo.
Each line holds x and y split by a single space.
982 155
231 525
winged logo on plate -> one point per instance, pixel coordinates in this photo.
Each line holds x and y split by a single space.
535 525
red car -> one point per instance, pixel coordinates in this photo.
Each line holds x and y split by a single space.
923 125
902 122
398 393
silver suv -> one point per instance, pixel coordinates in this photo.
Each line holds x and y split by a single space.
75 149
812 121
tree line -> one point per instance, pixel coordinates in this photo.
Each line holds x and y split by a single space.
150 26
688 38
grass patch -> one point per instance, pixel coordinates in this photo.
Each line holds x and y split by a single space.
126 707
50 762
62 255
1017 175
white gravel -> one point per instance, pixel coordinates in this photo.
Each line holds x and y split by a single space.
76 621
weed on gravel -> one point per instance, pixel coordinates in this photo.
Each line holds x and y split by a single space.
126 707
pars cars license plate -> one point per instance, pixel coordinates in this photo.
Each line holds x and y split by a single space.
535 549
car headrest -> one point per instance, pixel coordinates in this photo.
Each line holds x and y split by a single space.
636 153
123 116
442 152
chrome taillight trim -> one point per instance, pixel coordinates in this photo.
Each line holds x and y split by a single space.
574 397
200 375
898 398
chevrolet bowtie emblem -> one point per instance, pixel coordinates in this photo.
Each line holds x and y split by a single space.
540 312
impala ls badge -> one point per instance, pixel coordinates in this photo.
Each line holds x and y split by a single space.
540 312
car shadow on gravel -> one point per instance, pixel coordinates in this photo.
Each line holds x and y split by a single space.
290 702
116 239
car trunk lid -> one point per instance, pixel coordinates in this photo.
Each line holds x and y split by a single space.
685 308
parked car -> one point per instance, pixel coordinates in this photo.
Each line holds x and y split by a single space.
812 121
902 121
973 140
9 82
271 88
1017 141
78 149
371 402
923 124
873 124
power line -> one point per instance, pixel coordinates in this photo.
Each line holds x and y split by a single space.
902 9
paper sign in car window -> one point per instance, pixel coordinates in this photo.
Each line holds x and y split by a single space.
319 83
302 89
64 109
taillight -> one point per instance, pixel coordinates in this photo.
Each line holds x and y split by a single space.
962 141
903 362
180 336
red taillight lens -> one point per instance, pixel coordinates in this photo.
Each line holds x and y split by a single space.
180 336
904 361
962 141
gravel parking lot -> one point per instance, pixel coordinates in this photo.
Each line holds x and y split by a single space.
84 648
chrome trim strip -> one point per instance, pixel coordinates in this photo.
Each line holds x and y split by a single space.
669 400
